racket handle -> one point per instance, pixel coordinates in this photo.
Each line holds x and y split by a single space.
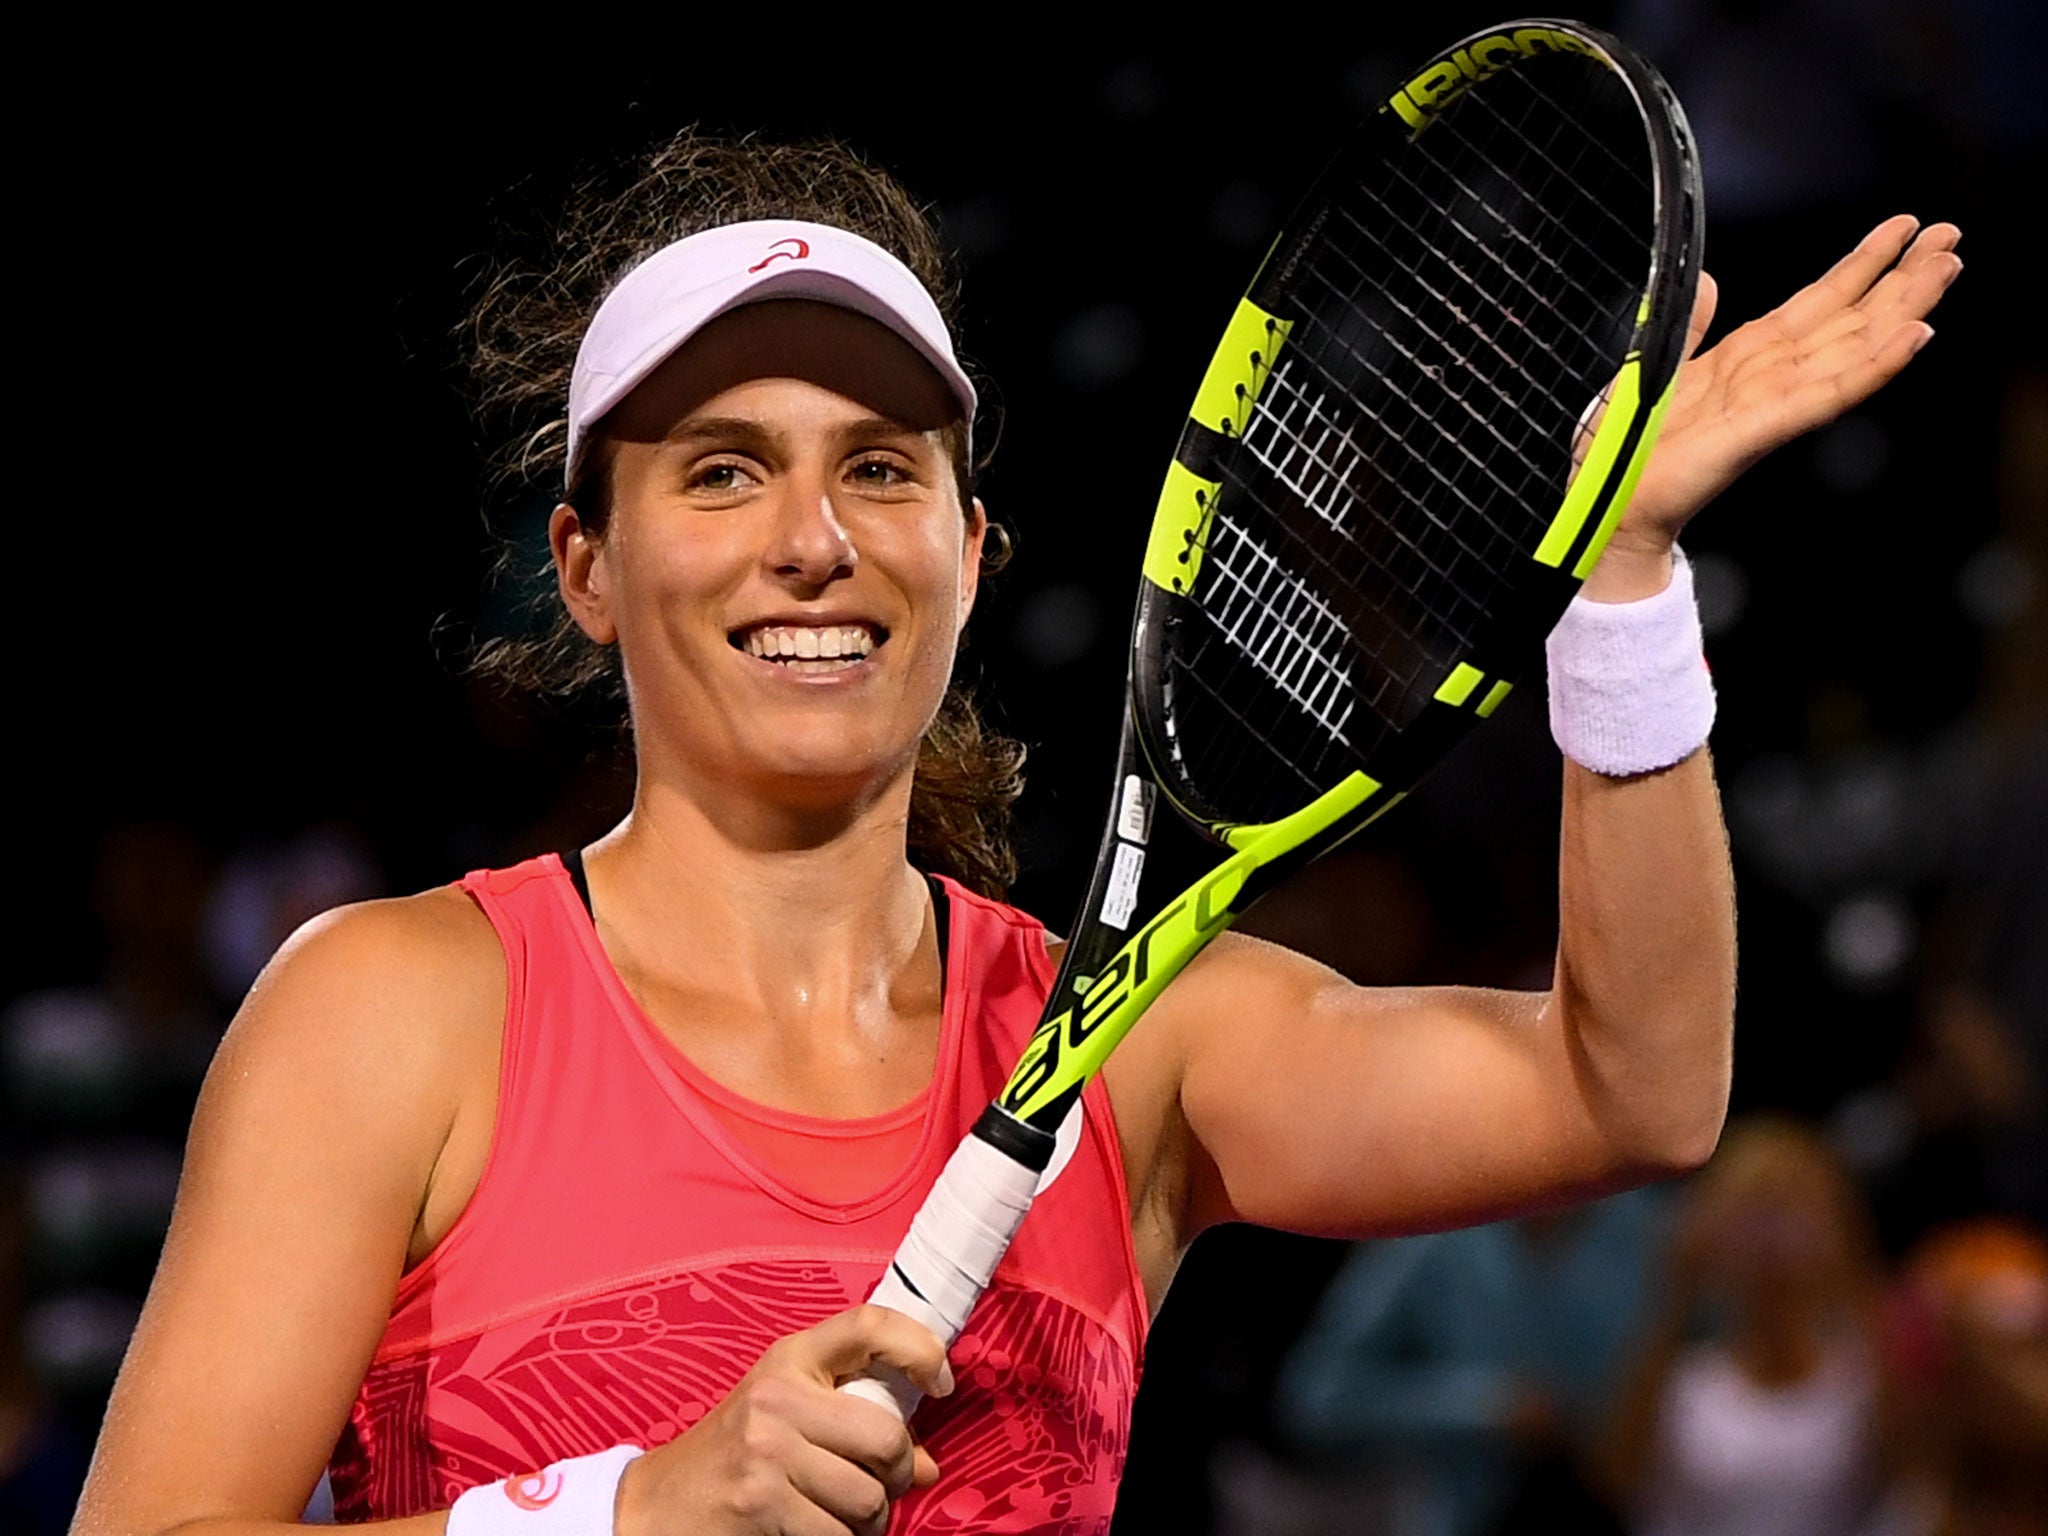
944 1264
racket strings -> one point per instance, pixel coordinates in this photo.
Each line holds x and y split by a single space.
1459 307
1450 307
1390 380
1362 499
1563 113
1281 624
1451 322
1525 242
1291 435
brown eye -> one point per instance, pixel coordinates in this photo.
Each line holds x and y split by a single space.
880 472
720 477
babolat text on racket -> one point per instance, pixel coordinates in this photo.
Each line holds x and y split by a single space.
1374 516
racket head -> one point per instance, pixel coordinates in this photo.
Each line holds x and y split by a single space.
1373 515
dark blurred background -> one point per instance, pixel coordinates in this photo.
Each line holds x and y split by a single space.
272 538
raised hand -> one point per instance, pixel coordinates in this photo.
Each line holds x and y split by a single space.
1822 352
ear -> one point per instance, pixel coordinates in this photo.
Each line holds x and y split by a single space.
581 574
970 558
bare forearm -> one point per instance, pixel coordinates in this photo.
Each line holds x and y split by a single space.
414 1525
99 1521
1646 957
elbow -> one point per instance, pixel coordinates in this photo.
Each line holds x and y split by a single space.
1655 1090
1684 1150
1676 1139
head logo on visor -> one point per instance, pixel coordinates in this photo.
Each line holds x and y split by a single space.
803 249
681 288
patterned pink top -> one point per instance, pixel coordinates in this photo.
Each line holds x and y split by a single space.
627 1256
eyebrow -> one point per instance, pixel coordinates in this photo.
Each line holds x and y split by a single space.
745 432
738 429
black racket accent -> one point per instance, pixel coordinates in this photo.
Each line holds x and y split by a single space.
1455 297
1021 1142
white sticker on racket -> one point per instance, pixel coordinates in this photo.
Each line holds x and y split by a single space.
1134 816
1121 898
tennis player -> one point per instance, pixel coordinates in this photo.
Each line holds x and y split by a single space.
551 1195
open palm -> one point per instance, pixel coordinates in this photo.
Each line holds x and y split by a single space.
1822 352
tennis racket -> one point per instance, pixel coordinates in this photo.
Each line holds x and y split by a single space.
1390 485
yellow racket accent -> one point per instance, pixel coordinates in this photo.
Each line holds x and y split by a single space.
1239 370
1624 400
1457 688
1493 697
1069 1047
1627 490
1445 81
1180 529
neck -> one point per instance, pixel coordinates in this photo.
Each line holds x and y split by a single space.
810 927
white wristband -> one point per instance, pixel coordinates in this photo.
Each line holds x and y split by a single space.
575 1497
1629 690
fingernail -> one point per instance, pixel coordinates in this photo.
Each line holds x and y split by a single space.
945 1378
1925 338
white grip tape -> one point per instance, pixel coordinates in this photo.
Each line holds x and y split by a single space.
959 1236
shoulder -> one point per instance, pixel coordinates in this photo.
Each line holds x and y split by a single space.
378 1009
375 965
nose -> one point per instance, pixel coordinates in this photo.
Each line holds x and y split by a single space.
810 544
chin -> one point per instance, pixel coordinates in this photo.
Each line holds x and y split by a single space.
835 774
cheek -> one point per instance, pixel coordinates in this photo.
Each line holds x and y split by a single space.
661 595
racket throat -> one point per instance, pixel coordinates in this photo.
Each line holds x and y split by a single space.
1020 1140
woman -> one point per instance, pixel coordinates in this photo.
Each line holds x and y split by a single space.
1758 1402
529 1167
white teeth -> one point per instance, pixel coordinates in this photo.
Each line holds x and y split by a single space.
830 647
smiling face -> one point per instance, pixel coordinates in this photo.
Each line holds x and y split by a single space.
786 565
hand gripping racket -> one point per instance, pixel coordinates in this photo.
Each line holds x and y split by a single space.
1374 516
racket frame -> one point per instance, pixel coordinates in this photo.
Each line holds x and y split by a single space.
1109 973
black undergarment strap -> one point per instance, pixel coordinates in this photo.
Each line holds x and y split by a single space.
572 861
942 912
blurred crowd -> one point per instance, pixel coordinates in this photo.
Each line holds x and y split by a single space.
1838 1327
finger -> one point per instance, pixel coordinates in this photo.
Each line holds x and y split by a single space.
1851 277
1914 286
845 1490
1934 239
847 1343
1905 294
1852 375
856 1431
1706 299
925 1471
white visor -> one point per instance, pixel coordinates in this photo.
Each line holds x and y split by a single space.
681 288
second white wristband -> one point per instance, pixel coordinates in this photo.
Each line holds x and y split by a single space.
1629 688
574 1497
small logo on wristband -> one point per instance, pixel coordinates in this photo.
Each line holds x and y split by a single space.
536 1490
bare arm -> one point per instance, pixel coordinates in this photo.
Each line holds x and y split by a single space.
1271 1090
1374 1111
316 1168
308 1166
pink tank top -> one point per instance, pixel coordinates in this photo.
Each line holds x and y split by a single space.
636 1241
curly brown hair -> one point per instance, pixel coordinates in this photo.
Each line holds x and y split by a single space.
521 339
